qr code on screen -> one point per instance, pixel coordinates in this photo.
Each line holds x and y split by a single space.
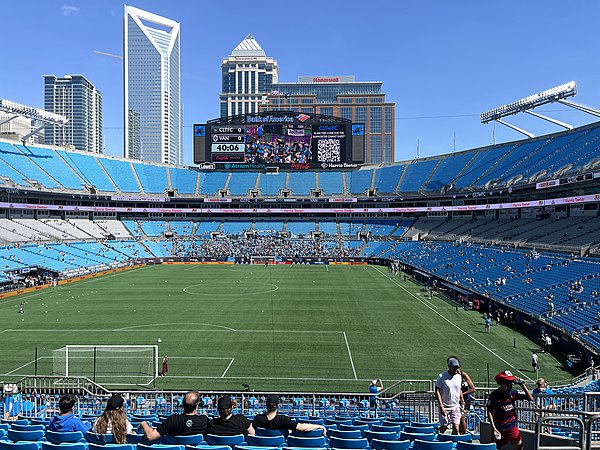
328 150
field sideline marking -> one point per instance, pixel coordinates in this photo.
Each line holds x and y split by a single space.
350 355
19 298
230 363
41 330
454 325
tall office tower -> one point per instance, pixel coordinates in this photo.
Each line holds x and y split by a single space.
153 110
74 97
342 96
247 75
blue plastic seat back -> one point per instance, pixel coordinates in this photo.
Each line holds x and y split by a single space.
377 444
5 445
193 439
18 421
208 447
387 428
266 432
455 437
309 441
31 436
345 434
160 447
335 442
419 444
98 438
59 437
474 446
28 427
346 427
4 426
413 429
213 439
111 447
311 433
381 435
64 446
265 441
412 436
253 447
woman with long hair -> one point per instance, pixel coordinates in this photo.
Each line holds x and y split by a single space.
114 420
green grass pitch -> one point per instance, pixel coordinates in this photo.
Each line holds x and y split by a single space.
286 328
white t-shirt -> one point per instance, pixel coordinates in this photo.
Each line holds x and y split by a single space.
449 386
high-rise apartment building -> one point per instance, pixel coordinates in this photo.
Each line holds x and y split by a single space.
342 96
74 97
247 75
153 109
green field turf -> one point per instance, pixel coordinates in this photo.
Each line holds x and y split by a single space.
299 328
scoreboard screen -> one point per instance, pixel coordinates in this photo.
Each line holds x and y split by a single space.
296 141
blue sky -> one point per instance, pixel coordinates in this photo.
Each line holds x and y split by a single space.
441 62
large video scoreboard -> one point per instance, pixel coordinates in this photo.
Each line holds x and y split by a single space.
279 139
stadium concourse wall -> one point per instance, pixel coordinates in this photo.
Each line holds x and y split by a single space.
68 281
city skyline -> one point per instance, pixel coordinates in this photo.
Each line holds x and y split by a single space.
76 98
152 87
441 64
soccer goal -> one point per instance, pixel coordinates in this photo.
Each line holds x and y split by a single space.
262 260
108 364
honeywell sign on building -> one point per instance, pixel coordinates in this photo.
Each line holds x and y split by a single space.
334 79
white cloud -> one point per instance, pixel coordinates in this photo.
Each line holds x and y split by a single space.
67 10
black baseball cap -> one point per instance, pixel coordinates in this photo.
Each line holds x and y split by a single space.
273 399
224 403
115 402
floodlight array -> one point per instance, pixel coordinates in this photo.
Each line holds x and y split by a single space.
548 96
32 113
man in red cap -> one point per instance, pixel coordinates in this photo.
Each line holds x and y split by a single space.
501 409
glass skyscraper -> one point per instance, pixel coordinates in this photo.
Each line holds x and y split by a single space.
247 76
153 111
74 97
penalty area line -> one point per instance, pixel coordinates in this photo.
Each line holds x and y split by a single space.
230 363
350 355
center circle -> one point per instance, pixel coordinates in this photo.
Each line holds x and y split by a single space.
228 289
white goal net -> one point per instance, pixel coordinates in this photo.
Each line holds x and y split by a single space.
108 364
262 260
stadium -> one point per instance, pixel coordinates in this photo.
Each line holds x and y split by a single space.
307 282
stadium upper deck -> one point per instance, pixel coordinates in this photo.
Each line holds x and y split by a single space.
517 163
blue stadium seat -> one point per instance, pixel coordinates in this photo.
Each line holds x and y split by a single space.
98 438
65 446
298 441
213 439
183 181
377 444
345 434
412 436
473 446
348 427
360 443
267 432
265 441
194 439
27 427
6 445
60 437
93 446
32 436
381 435
455 437
419 444
419 429
121 174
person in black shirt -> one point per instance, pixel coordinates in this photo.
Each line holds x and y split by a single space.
229 424
273 421
186 424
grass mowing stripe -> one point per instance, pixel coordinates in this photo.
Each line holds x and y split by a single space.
451 323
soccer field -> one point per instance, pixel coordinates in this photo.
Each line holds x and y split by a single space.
286 328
